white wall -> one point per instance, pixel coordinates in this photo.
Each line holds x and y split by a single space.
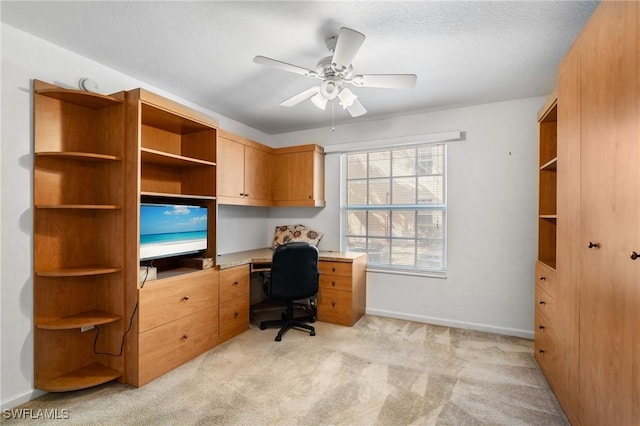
492 223
24 58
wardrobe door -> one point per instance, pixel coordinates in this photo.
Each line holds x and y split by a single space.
609 383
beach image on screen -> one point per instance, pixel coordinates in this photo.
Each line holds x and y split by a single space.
170 230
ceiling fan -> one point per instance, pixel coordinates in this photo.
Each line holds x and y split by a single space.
336 72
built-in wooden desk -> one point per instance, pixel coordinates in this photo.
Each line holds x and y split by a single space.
342 292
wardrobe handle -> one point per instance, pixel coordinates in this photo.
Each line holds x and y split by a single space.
593 245
542 278
185 298
541 327
634 255
541 351
542 302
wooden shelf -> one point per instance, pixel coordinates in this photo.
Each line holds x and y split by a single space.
81 98
79 272
182 196
152 156
83 319
82 378
550 165
83 156
551 263
79 206
548 216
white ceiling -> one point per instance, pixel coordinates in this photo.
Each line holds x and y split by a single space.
464 53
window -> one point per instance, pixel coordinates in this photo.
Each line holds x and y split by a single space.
395 207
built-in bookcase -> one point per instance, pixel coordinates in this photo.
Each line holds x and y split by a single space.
547 186
78 237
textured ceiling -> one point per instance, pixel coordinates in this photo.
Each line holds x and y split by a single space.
464 53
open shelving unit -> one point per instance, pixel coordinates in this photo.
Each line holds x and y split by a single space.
547 186
78 237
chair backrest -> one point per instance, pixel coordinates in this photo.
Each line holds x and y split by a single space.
294 271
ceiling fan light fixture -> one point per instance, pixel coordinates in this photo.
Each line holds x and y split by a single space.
319 101
347 98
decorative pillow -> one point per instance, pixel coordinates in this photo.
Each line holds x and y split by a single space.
287 233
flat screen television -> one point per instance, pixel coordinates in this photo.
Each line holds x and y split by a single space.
171 230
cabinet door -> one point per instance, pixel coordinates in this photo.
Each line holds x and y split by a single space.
257 174
610 175
230 166
298 178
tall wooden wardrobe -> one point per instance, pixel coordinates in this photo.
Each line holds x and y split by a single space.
592 354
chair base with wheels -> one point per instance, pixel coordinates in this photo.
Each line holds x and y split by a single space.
289 321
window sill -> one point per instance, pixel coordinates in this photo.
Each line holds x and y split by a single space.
413 273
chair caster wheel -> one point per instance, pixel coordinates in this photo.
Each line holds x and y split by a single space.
278 338
263 327
312 333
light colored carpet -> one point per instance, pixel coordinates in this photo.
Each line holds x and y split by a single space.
380 372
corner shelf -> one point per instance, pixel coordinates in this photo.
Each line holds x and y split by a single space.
82 156
79 272
80 98
550 165
83 319
90 375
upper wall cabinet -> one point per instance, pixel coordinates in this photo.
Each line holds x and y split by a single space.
244 174
298 176
252 174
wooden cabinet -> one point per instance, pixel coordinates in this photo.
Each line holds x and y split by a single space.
78 238
298 176
177 321
234 301
342 290
171 158
244 174
597 320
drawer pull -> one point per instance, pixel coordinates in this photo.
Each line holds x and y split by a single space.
541 351
185 298
634 255
235 314
333 283
333 269
235 283
542 302
593 245
333 304
542 278
541 327
185 337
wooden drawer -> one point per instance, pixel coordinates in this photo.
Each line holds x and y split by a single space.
546 278
544 346
234 282
164 348
168 299
545 303
234 317
335 268
338 282
335 306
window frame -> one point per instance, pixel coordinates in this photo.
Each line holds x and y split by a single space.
442 207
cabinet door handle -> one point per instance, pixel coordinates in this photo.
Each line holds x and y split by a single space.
542 278
333 269
333 304
541 351
311 197
246 195
185 337
333 283
541 327
542 302
634 255
185 298
593 245
235 314
235 283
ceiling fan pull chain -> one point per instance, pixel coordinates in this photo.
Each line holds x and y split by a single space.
333 129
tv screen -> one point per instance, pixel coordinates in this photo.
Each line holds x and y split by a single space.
171 230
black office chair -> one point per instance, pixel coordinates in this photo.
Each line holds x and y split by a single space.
294 276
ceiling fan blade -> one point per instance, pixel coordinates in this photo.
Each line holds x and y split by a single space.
385 81
303 96
263 60
347 46
356 109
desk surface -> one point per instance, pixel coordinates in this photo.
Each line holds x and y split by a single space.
224 261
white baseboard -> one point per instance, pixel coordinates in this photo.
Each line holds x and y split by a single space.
527 334
19 399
